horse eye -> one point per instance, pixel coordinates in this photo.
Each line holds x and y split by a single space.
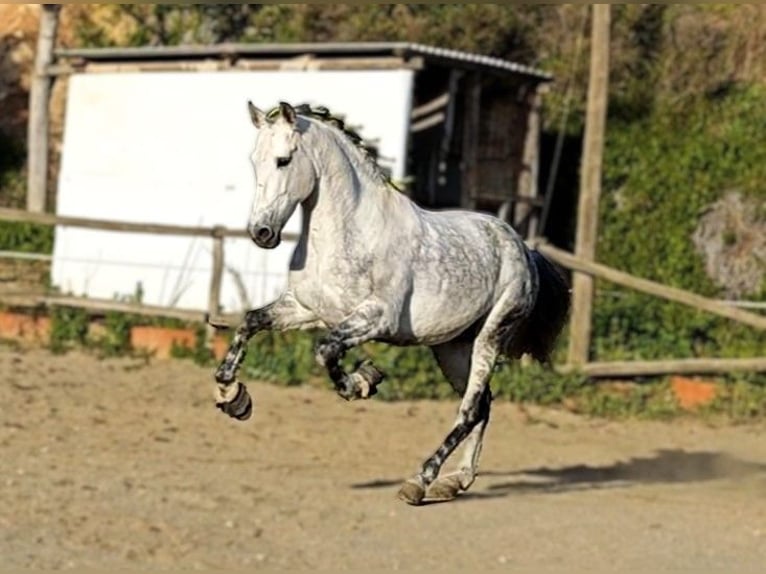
283 161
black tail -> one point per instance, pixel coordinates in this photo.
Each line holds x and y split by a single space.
541 328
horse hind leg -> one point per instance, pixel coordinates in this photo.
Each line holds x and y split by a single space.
454 359
448 486
483 358
504 320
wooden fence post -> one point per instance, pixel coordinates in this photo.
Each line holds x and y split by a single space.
470 160
216 279
39 97
590 184
526 215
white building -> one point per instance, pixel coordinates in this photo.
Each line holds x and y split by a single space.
162 135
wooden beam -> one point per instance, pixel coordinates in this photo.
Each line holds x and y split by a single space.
108 225
438 177
307 62
471 119
124 226
310 62
55 70
525 215
702 366
39 98
100 306
435 104
427 122
26 256
216 280
590 183
760 305
587 267
169 66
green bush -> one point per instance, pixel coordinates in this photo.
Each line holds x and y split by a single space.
199 353
660 174
26 237
69 328
284 358
743 397
411 372
116 338
535 384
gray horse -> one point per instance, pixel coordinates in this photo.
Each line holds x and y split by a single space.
370 265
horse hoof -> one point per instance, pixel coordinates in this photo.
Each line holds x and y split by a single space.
362 383
371 376
240 407
443 489
412 493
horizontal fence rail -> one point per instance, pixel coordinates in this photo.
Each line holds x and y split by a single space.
699 366
652 288
102 306
20 216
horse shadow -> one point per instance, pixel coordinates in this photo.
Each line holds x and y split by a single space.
668 466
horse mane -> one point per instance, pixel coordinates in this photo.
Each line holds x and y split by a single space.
369 151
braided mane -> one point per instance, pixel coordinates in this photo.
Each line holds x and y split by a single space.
321 113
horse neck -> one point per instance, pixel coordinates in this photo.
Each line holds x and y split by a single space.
350 198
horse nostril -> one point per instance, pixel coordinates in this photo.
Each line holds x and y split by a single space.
264 233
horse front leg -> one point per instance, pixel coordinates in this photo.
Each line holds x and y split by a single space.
369 321
283 314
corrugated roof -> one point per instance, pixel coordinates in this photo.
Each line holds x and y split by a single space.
454 58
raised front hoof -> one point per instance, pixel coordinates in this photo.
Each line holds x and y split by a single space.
412 493
443 489
240 407
362 382
371 378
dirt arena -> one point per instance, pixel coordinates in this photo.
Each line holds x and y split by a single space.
112 463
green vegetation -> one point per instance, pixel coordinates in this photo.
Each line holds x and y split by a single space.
487 28
72 328
743 398
24 237
19 237
199 353
661 174
69 328
412 373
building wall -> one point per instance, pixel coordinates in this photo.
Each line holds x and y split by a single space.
174 148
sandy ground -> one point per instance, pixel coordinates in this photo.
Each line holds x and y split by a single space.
114 464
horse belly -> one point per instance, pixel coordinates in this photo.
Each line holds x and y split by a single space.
436 316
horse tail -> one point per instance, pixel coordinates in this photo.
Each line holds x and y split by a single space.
538 333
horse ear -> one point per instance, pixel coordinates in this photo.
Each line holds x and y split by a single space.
287 112
258 117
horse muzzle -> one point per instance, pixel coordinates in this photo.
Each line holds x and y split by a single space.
265 236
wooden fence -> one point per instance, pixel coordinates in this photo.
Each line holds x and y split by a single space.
217 233
563 258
